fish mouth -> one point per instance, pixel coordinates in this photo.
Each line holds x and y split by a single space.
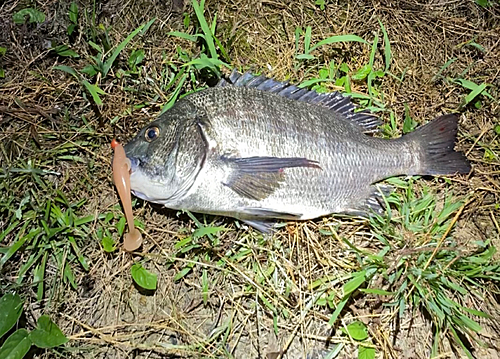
134 164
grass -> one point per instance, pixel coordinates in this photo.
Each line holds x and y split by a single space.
209 287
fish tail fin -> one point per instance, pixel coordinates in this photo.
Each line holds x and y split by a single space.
437 140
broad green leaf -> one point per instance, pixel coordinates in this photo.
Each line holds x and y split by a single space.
64 50
120 226
11 307
338 38
136 58
3 50
344 68
366 353
143 277
71 29
356 330
362 73
47 334
108 244
89 70
73 13
16 346
33 16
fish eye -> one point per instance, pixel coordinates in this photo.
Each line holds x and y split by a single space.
152 133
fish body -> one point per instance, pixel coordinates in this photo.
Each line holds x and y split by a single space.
258 149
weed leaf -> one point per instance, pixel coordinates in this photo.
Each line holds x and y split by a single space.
68 70
203 231
73 13
354 283
143 277
338 38
16 346
11 307
185 36
362 73
33 16
366 353
387 47
94 90
109 62
356 330
108 244
198 9
47 334
472 95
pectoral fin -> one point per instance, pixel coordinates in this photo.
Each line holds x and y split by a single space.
258 177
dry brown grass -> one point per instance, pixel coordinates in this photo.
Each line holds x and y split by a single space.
42 110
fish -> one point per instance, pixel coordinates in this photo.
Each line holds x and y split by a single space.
260 150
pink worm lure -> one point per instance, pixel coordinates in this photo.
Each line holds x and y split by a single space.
121 175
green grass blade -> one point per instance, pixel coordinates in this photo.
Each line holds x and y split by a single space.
338 38
68 70
338 310
307 40
176 93
119 48
185 36
387 47
8 230
18 244
198 9
473 94
94 90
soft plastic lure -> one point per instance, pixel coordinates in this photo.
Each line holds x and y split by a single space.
121 175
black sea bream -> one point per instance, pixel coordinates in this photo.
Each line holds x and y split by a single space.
257 149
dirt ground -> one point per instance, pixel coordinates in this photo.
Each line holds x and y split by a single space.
107 316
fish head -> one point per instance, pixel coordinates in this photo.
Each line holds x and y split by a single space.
166 156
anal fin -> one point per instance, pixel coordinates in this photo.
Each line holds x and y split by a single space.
373 203
264 226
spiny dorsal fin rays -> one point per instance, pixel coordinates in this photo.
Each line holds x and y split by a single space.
335 101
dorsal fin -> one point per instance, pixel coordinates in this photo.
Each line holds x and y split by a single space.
335 101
